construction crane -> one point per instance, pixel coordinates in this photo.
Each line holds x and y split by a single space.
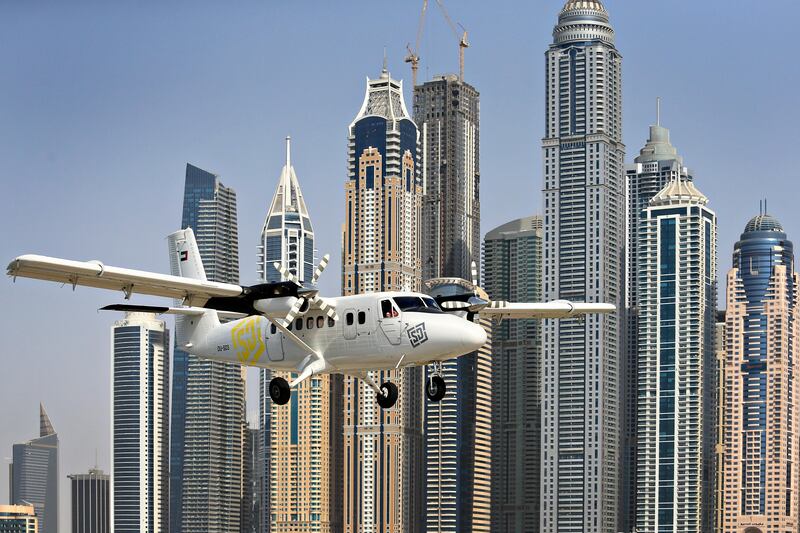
462 39
412 56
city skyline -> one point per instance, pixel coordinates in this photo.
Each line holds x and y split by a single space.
153 244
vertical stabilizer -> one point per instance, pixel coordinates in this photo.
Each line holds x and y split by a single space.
184 255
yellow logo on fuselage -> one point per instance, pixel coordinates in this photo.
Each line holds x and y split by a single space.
247 340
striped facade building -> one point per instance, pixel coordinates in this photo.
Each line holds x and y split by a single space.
761 474
677 294
91 511
383 448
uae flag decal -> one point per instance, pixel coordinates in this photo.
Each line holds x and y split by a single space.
184 255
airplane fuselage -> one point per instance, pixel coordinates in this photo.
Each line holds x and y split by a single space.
378 331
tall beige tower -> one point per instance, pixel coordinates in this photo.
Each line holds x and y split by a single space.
383 448
760 446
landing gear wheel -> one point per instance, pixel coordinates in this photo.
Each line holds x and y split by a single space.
279 391
389 396
435 388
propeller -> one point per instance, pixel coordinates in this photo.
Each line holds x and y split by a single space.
308 292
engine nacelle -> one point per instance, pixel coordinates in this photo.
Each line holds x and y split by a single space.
279 307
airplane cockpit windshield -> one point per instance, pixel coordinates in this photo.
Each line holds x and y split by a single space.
417 304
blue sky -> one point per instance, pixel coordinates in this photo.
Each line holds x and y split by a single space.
101 107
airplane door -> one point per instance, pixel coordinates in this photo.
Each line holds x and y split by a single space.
390 321
349 324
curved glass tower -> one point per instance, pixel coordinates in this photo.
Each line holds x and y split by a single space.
584 242
760 384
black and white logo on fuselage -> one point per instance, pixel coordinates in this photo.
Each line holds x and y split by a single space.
417 335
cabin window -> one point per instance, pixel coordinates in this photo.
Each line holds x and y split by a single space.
320 322
349 319
272 329
309 323
387 309
362 317
298 324
331 322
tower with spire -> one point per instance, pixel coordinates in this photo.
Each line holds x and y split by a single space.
287 236
33 474
584 239
657 164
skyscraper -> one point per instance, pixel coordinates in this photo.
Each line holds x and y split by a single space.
383 447
676 360
447 110
458 433
18 519
91 494
302 473
658 163
584 232
208 414
513 273
140 424
253 485
34 474
761 410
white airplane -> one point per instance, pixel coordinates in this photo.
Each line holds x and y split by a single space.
288 326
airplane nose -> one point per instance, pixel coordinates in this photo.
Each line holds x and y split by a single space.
473 338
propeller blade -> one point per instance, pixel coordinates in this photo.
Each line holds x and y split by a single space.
474 274
325 307
320 268
293 312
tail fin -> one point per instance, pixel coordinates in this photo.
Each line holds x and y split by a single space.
185 261
184 255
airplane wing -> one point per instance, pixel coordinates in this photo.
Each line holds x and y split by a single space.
96 274
555 309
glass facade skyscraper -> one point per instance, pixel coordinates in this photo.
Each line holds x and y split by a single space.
513 273
761 387
676 269
208 413
140 425
91 497
584 240
34 475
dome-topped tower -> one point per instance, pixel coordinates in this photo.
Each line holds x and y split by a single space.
583 21
763 222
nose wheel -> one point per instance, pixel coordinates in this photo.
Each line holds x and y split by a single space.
388 395
435 388
279 391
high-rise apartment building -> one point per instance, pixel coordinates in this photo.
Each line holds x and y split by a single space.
33 475
383 453
18 519
91 496
584 240
677 296
761 386
303 441
252 492
140 425
658 163
447 110
208 413
458 433
513 273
